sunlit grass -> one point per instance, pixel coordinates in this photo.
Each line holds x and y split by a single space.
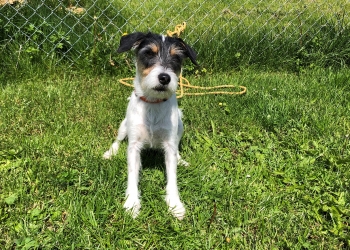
268 169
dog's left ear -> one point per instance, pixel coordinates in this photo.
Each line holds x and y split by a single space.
129 41
189 52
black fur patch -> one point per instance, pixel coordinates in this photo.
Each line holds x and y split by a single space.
152 49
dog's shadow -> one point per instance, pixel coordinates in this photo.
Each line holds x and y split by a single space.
153 159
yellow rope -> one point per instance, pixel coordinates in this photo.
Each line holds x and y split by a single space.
178 30
189 86
180 93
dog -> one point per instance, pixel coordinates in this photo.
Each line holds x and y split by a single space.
153 118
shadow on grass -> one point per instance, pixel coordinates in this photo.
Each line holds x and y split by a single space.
153 159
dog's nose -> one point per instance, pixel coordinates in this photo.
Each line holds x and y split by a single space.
164 78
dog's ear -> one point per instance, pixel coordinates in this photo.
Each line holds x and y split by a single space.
130 41
189 52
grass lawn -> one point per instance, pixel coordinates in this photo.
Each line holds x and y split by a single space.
268 170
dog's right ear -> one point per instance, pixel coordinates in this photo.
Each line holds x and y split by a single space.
130 41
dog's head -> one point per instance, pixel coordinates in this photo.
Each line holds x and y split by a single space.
158 62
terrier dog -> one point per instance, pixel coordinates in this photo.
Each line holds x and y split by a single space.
153 118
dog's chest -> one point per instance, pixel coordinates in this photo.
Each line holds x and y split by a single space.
158 126
152 124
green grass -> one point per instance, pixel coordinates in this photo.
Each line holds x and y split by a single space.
269 170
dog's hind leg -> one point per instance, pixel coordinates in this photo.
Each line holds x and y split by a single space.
180 161
122 132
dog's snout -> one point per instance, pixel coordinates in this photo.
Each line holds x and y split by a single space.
164 78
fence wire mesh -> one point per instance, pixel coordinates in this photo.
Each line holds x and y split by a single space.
219 30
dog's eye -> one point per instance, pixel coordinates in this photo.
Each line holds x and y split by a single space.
150 53
176 58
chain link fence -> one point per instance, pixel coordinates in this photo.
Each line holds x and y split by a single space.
223 32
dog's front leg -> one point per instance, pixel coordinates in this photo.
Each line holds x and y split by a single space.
132 203
172 194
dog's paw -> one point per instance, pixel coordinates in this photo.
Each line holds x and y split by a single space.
132 205
107 155
176 207
112 151
183 163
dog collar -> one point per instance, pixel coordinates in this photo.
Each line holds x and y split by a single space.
143 98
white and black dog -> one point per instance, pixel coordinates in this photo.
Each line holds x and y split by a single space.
153 118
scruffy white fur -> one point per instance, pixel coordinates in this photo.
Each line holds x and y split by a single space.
156 125
153 118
